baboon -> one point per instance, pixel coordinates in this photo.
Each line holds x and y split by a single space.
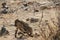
23 27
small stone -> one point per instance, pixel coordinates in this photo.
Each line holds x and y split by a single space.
4 11
3 4
25 5
3 31
36 10
46 20
33 20
27 19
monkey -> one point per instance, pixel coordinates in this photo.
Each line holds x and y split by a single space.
23 27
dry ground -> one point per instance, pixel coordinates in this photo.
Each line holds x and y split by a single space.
46 31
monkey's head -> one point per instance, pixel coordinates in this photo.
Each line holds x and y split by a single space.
16 21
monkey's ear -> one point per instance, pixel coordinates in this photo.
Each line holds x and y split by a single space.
16 20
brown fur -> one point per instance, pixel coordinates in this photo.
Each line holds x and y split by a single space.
23 27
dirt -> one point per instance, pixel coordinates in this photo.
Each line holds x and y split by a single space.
46 27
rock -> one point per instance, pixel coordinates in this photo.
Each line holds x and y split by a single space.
3 31
36 10
27 19
25 5
33 20
4 5
4 8
4 11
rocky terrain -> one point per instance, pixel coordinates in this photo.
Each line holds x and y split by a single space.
46 11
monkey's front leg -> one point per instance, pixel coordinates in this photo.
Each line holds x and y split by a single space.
16 32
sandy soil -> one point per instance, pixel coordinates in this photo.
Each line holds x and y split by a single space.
41 28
